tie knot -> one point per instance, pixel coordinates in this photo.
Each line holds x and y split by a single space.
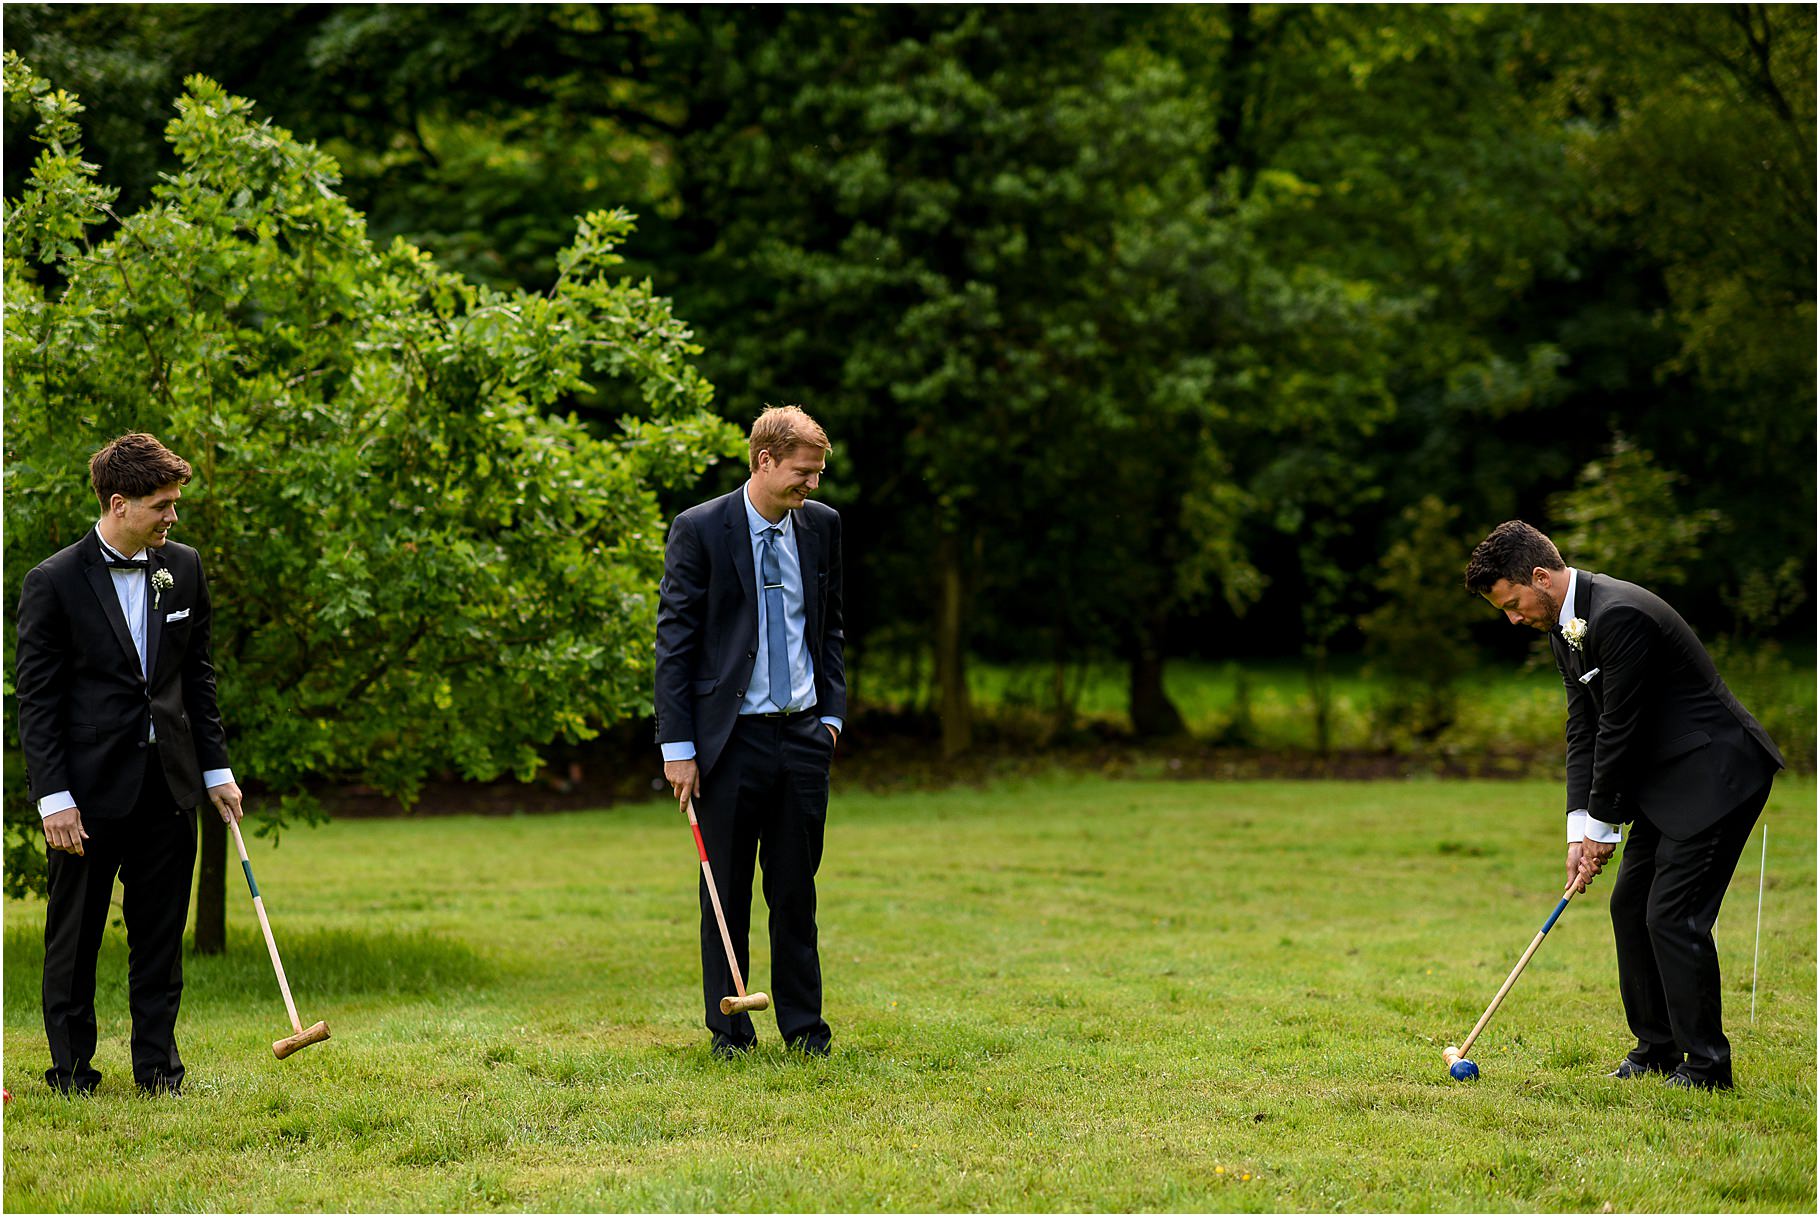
114 563
773 532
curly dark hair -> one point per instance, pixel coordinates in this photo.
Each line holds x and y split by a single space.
134 466
1512 551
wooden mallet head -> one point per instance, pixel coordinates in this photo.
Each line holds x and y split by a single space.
739 1005
303 1039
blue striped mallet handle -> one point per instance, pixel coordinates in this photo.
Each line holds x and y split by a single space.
301 1039
1453 1054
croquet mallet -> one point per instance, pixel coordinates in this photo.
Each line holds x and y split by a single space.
302 1038
742 1000
1452 1054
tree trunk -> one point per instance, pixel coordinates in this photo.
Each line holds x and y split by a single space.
211 884
1153 715
1234 147
1320 690
956 708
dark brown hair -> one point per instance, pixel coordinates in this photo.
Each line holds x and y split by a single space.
134 466
1512 551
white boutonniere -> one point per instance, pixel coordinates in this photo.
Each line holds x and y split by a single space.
161 583
1575 633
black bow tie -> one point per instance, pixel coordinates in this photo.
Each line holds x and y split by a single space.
114 563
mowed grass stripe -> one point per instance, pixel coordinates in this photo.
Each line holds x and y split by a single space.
1062 994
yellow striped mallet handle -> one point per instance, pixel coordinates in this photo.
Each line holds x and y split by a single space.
301 1038
743 1001
1451 1053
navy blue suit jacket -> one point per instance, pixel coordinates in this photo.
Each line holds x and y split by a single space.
707 620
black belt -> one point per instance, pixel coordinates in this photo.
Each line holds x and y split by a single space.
779 713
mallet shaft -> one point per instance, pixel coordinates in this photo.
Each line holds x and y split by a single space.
271 945
1517 971
720 917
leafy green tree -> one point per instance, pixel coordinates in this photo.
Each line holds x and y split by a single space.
1418 637
1622 516
419 563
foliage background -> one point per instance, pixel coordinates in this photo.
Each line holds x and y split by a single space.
1147 335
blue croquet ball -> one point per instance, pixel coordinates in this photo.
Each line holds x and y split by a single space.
1463 1070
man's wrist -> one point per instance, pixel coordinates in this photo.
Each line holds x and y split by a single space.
217 777
51 804
830 721
1576 827
678 750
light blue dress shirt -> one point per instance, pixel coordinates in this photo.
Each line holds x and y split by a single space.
758 698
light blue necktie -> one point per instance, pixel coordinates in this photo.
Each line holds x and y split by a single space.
775 642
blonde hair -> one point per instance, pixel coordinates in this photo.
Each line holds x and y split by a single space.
781 430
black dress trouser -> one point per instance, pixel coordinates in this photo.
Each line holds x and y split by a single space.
1663 906
153 851
766 801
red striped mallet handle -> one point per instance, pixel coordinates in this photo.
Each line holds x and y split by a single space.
720 917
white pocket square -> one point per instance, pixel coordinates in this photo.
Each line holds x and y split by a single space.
1587 679
179 615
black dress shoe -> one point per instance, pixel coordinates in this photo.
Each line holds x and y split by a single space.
1628 1068
1681 1079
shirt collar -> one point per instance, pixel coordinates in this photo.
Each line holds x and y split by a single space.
758 523
109 549
1567 601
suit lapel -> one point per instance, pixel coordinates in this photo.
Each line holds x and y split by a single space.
154 615
103 585
739 550
808 560
1583 660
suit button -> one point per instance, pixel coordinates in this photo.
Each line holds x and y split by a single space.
739 692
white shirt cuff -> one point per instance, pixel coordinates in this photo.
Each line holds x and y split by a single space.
1582 827
839 727
681 750
1605 834
216 777
51 804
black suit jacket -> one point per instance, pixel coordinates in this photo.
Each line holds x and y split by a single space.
1651 729
707 620
83 702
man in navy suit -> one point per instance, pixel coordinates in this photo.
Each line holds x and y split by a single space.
751 696
1654 740
122 742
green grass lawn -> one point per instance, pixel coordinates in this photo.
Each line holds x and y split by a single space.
1067 994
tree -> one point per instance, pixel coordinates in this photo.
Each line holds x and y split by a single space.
1419 635
419 564
1622 515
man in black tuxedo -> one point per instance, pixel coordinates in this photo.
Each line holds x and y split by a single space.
1655 740
117 759
751 696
